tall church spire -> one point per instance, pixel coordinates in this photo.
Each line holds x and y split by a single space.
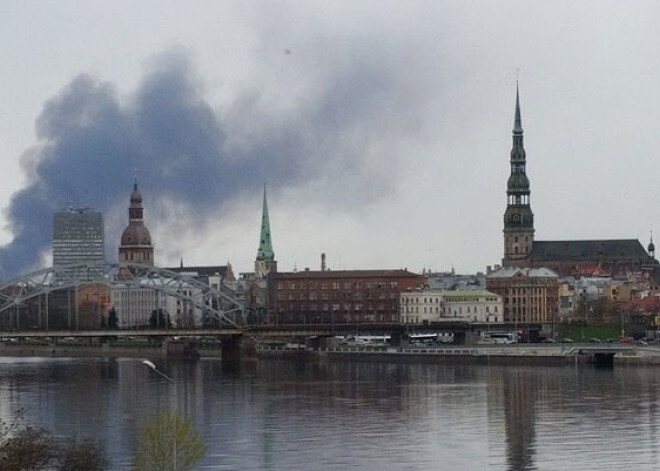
265 251
517 125
265 262
518 218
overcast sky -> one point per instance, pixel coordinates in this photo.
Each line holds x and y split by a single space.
382 129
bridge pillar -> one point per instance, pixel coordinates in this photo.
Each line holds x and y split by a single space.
180 348
605 360
396 337
320 342
460 338
237 349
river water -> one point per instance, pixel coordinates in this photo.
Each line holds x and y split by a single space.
284 415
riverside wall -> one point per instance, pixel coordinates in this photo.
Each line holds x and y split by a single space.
464 357
448 356
92 351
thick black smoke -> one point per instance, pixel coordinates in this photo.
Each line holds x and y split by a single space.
90 142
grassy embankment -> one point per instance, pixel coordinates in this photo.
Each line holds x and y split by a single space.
579 333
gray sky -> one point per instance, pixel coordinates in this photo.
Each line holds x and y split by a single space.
383 129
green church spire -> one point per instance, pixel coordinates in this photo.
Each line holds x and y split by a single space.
265 251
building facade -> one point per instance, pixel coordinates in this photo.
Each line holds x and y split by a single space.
134 306
428 306
530 295
341 296
421 306
78 238
473 306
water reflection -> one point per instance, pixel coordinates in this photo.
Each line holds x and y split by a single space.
281 415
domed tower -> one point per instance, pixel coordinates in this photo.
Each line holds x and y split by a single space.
518 217
136 245
651 247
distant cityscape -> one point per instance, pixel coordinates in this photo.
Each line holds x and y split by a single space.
537 281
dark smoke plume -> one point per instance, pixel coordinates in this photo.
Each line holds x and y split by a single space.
90 142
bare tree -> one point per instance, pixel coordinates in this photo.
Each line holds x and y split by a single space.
169 442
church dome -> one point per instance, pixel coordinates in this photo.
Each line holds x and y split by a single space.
135 234
651 247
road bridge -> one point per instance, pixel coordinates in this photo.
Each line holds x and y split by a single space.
219 304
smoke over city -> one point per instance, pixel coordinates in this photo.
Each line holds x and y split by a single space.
91 140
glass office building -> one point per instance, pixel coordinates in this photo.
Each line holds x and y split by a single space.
78 237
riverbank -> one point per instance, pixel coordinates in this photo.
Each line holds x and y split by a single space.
480 356
462 356
93 351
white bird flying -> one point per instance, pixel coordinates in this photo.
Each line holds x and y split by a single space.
151 365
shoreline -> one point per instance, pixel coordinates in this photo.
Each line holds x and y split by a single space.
456 356
87 351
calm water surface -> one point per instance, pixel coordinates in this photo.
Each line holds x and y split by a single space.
282 415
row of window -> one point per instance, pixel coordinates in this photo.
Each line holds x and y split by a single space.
437 300
336 307
313 296
447 310
337 285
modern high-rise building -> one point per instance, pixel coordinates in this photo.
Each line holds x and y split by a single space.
78 237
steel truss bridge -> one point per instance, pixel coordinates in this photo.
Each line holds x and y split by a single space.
38 287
